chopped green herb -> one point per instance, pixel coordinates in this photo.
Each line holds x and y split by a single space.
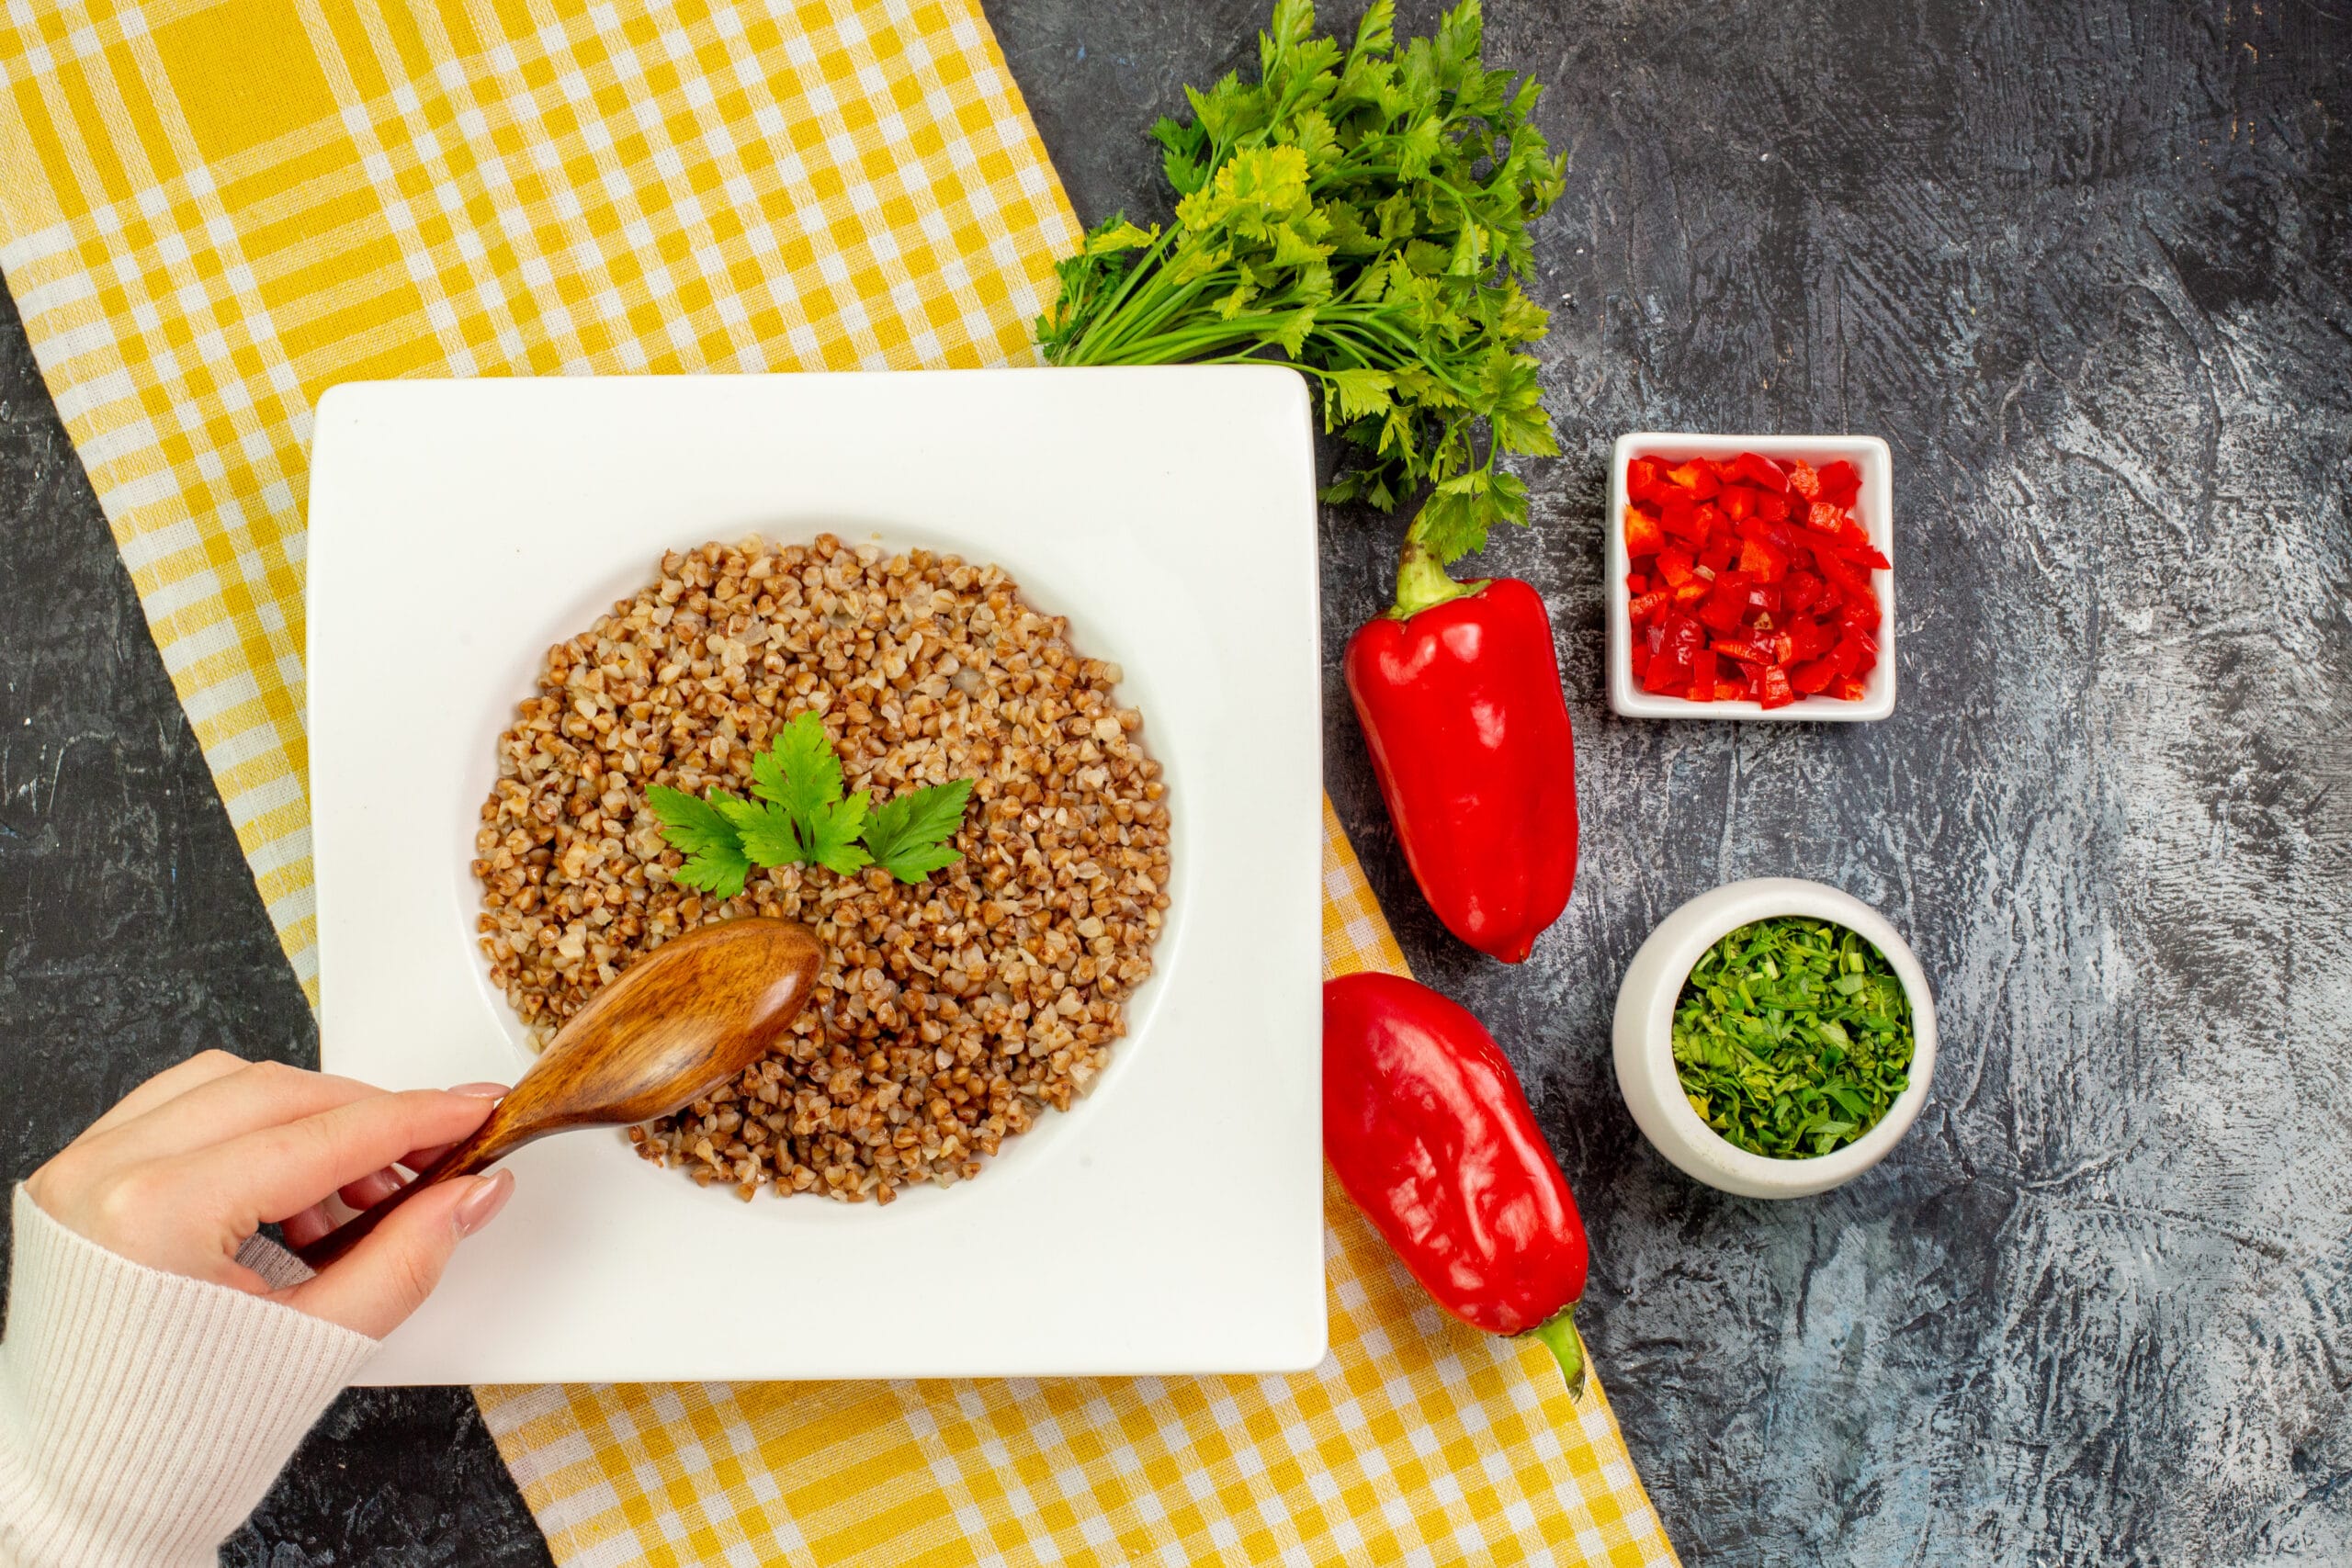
799 817
1792 1036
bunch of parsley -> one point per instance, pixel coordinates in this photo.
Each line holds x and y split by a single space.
797 816
1362 214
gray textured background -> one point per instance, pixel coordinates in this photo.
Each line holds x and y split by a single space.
2086 268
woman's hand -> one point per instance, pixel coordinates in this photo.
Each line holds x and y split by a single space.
196 1158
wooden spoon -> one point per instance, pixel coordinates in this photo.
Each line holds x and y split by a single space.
670 1029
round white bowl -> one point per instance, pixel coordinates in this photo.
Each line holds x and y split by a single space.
1644 1039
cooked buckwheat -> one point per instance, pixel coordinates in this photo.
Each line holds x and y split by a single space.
950 1012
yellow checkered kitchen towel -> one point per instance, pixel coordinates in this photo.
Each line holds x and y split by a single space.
212 212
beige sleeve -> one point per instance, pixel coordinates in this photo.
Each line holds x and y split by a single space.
143 1415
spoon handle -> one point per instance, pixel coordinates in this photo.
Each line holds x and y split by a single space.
476 1152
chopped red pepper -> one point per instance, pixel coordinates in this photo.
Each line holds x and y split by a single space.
1769 563
1697 477
1723 611
1840 483
1680 518
1765 561
1742 649
1766 475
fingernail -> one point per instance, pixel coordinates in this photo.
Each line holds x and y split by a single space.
480 1206
482 1091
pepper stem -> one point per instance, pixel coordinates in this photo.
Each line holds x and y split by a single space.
1422 582
1559 1335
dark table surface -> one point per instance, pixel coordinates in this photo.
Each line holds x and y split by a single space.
2087 267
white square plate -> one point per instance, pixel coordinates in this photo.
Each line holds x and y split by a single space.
1873 509
1172 1221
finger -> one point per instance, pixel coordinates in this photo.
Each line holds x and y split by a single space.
237 1276
422 1160
280 1171
258 1095
165 1087
300 1230
388 1276
315 1222
371 1188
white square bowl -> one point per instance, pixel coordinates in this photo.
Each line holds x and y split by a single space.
1873 509
1172 1221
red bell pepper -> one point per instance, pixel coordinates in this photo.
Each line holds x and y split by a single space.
1426 1127
1458 691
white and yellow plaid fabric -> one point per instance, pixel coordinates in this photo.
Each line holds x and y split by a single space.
209 212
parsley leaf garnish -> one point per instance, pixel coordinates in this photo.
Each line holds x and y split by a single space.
833 832
1792 1037
768 833
798 771
1362 213
715 859
908 836
798 816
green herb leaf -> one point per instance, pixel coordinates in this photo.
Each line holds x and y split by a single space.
768 832
833 832
1363 215
715 859
1776 1052
800 817
798 771
911 837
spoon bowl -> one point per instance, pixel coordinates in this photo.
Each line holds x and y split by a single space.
688 1018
